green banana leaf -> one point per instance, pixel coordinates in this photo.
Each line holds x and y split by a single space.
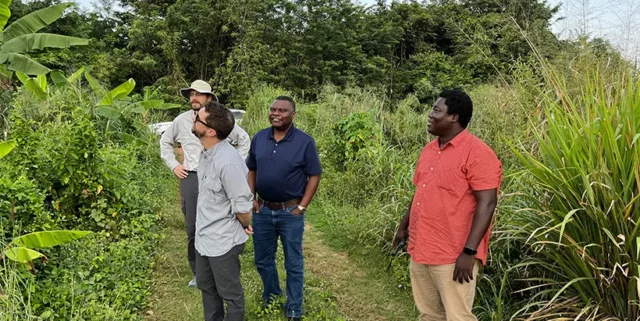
48 238
22 254
34 21
34 84
5 13
18 62
108 112
119 92
6 147
130 139
76 75
58 78
38 41
94 83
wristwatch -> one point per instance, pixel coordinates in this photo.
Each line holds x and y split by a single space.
301 208
469 251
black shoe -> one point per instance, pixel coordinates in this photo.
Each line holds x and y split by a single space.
293 319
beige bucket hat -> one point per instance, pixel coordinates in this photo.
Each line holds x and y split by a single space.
200 86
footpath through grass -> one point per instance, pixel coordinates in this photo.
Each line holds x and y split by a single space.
337 287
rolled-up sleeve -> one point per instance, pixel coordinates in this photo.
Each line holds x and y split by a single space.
234 183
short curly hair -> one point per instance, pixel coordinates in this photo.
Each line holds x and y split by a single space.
458 103
219 119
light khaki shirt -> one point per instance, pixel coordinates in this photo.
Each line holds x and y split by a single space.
180 133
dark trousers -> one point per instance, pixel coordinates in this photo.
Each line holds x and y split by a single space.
189 198
219 279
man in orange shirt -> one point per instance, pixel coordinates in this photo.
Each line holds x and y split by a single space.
457 181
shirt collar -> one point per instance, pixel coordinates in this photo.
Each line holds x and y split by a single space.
213 150
455 142
288 137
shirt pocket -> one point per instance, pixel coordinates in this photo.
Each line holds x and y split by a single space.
213 187
452 180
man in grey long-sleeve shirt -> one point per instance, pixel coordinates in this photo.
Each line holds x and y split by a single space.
223 217
180 133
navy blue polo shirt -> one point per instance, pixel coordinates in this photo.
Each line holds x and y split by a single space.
283 168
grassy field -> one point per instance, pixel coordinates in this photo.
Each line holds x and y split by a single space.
337 287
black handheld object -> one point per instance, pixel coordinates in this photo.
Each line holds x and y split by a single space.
395 252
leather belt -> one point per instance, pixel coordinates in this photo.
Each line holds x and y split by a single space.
279 205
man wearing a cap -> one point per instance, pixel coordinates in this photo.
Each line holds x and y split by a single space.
180 133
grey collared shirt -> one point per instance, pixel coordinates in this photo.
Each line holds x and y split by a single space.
223 192
180 132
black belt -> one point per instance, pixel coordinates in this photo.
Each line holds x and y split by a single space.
279 205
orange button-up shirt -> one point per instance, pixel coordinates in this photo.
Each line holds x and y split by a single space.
444 204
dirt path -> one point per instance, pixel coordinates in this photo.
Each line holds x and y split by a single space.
360 294
336 287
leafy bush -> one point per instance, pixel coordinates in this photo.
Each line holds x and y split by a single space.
71 170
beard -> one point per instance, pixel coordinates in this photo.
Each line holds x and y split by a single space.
197 134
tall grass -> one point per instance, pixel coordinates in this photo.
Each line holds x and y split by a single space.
585 174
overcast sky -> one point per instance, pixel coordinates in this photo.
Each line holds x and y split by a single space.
616 20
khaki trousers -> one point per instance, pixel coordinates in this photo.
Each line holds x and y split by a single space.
440 298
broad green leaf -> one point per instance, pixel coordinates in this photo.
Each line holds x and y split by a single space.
32 85
34 21
22 63
119 92
41 81
138 110
6 147
130 139
95 84
152 103
167 106
58 78
76 75
48 238
108 112
38 41
5 13
22 254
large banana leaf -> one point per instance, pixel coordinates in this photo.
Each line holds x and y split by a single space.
6 147
22 254
108 112
119 92
5 13
34 21
58 78
37 41
48 238
22 63
36 85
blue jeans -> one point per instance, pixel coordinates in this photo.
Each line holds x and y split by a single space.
268 225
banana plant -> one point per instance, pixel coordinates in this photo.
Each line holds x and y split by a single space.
21 248
20 38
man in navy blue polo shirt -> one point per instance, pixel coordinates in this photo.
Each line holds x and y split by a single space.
284 173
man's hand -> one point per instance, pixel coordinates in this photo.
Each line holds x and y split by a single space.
256 206
296 211
464 268
180 172
249 230
401 235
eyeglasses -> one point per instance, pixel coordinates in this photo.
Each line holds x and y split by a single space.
201 122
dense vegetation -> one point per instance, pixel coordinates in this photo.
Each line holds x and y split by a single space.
564 118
